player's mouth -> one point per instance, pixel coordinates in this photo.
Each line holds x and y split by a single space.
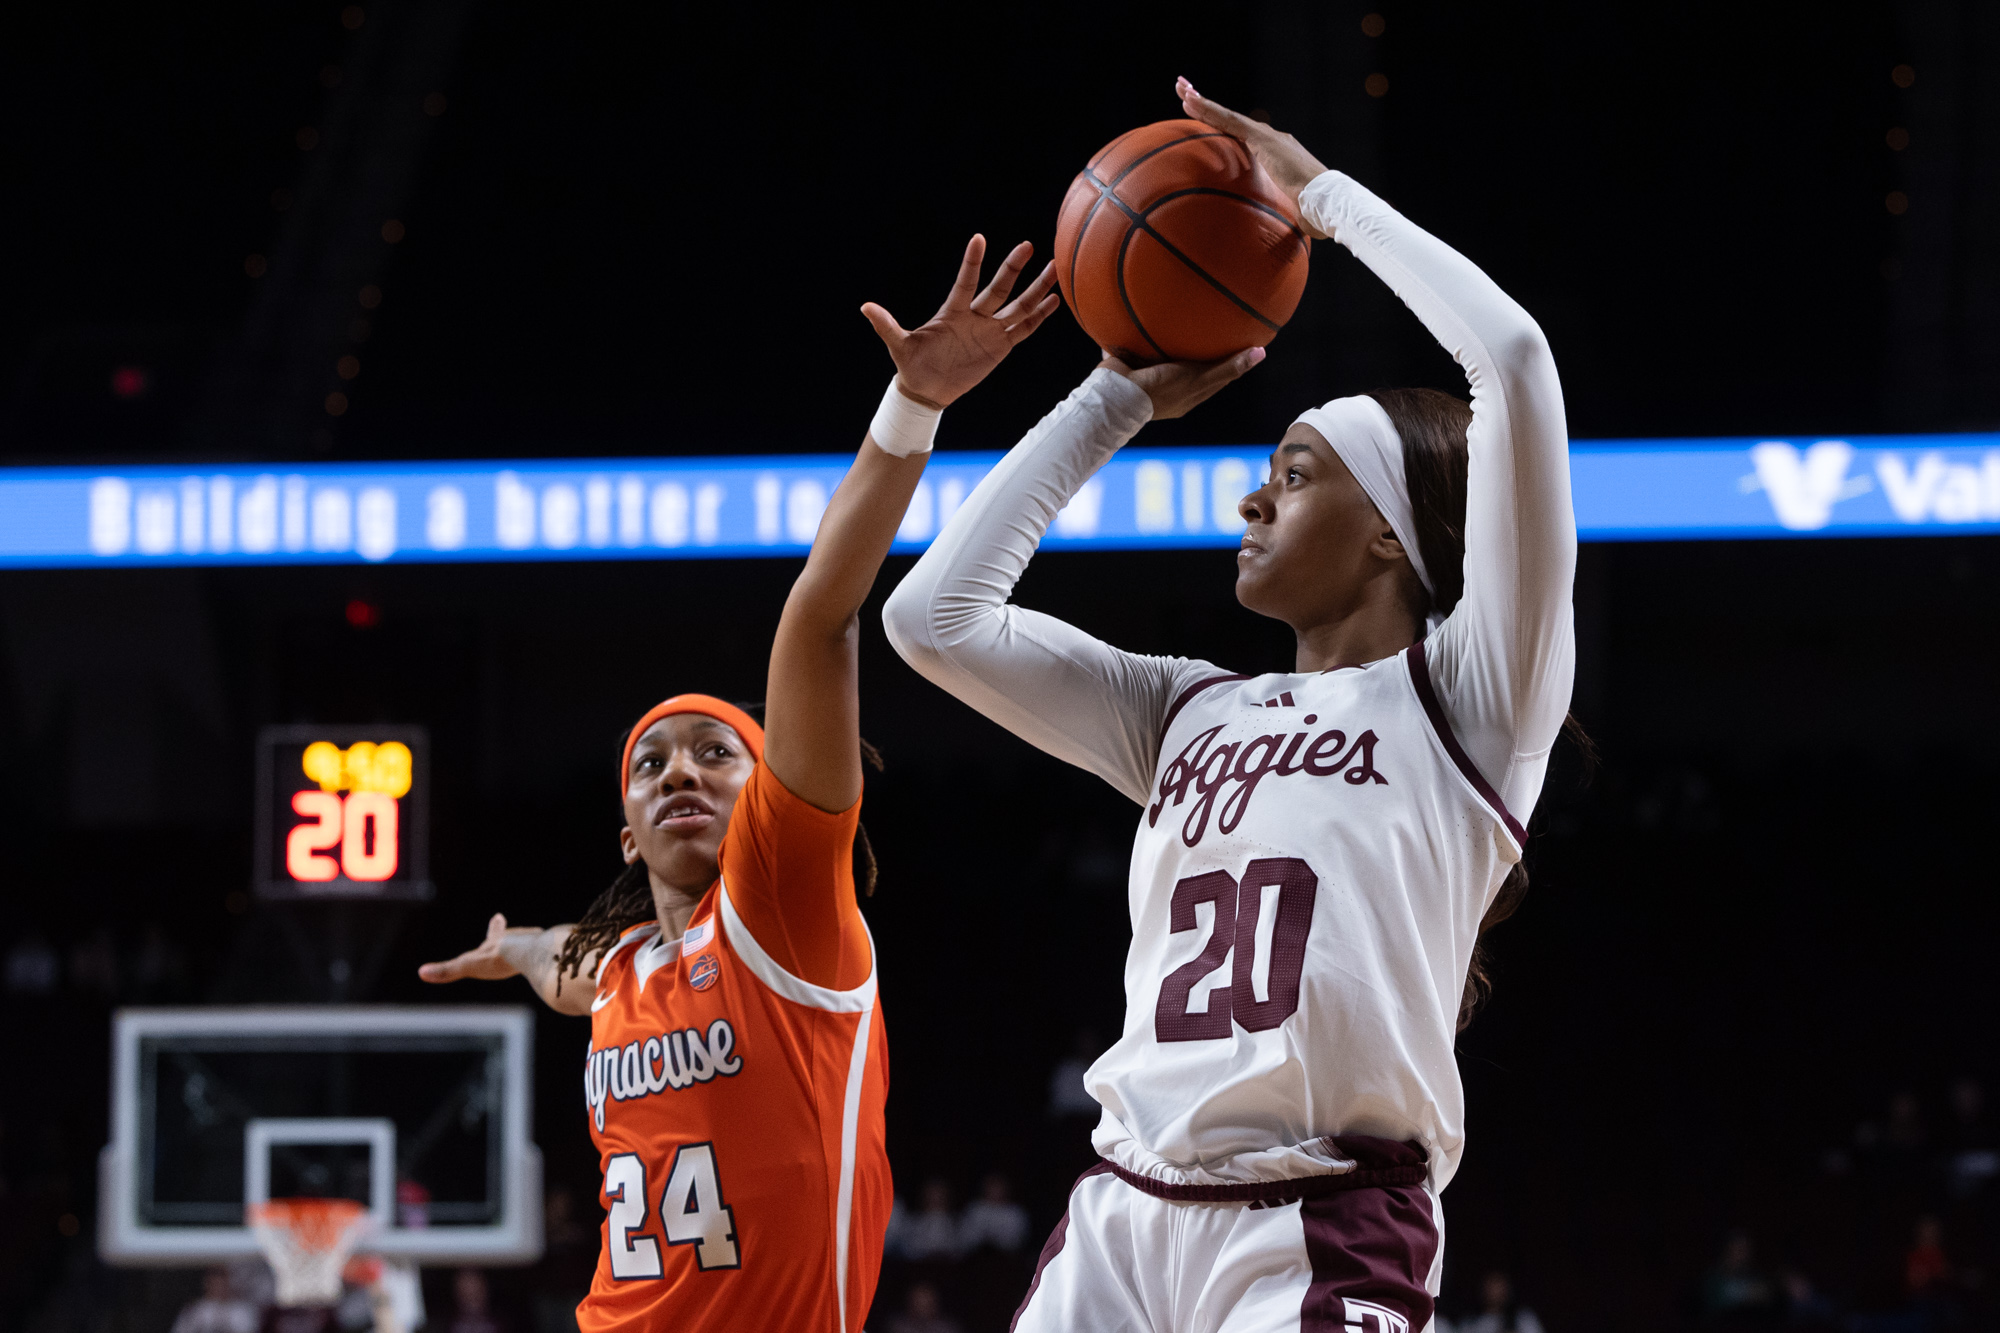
684 814
1249 548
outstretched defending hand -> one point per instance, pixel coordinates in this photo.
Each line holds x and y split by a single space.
485 963
970 334
1281 155
1176 387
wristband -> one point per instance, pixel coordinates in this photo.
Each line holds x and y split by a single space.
902 425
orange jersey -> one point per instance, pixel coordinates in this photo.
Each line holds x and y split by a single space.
737 1105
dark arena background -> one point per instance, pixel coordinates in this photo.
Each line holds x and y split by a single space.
1739 1065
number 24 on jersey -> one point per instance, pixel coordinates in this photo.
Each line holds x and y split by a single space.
691 1213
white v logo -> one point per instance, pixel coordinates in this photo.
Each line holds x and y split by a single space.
1803 488
602 1000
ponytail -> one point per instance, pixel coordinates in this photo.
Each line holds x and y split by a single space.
1433 427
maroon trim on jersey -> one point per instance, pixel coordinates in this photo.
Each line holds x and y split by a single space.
1053 1246
1420 676
1375 1246
1378 1164
1190 692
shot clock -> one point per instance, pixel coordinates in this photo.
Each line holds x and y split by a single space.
343 812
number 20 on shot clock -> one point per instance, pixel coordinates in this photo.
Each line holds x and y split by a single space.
343 812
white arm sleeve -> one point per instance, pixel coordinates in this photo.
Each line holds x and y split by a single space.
1504 661
1057 688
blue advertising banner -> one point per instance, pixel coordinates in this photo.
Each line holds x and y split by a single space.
1635 490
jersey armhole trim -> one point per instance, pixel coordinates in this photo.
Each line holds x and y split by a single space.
1187 696
796 989
1420 678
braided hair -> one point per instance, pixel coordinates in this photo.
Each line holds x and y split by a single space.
628 900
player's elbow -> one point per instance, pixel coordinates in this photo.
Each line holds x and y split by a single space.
1524 346
906 621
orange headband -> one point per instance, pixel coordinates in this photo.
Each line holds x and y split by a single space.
708 706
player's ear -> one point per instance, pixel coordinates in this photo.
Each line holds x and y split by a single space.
1387 546
628 844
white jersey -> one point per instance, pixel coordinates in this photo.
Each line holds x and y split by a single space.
1307 883
1304 894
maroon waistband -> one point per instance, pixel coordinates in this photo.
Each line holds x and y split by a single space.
1378 1164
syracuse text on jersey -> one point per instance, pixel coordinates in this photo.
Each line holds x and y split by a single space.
672 1060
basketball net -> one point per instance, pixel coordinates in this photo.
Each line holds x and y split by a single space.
308 1242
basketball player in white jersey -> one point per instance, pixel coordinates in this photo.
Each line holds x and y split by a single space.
1318 847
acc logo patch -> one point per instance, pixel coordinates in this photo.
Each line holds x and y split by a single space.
703 971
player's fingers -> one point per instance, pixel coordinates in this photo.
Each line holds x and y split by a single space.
439 973
967 281
1004 278
885 325
1233 367
1213 113
1224 371
1033 320
496 927
1031 298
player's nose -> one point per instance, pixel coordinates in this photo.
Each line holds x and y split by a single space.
1256 507
680 771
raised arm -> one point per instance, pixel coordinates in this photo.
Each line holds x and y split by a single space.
1051 684
1504 661
519 951
812 706
794 820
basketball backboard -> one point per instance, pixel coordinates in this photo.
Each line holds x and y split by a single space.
421 1115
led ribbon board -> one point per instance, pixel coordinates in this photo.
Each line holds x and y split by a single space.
343 812
1635 490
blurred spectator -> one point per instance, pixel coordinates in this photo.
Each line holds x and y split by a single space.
569 1259
560 1226
1734 1292
356 1310
219 1310
1808 1309
413 1204
93 965
159 970
473 1302
32 966
1067 1096
1901 1161
1972 1161
1499 1311
899 1226
923 1312
392 1303
1904 1132
932 1233
1925 1267
252 1279
993 1219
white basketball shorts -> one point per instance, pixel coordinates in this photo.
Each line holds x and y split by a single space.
1134 1255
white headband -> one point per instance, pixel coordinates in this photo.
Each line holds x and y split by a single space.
1361 433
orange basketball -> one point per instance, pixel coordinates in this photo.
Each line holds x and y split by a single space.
1174 245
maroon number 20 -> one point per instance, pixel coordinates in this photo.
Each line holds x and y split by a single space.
1238 908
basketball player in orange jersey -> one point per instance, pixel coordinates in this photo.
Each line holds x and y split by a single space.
737 1064
1318 847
